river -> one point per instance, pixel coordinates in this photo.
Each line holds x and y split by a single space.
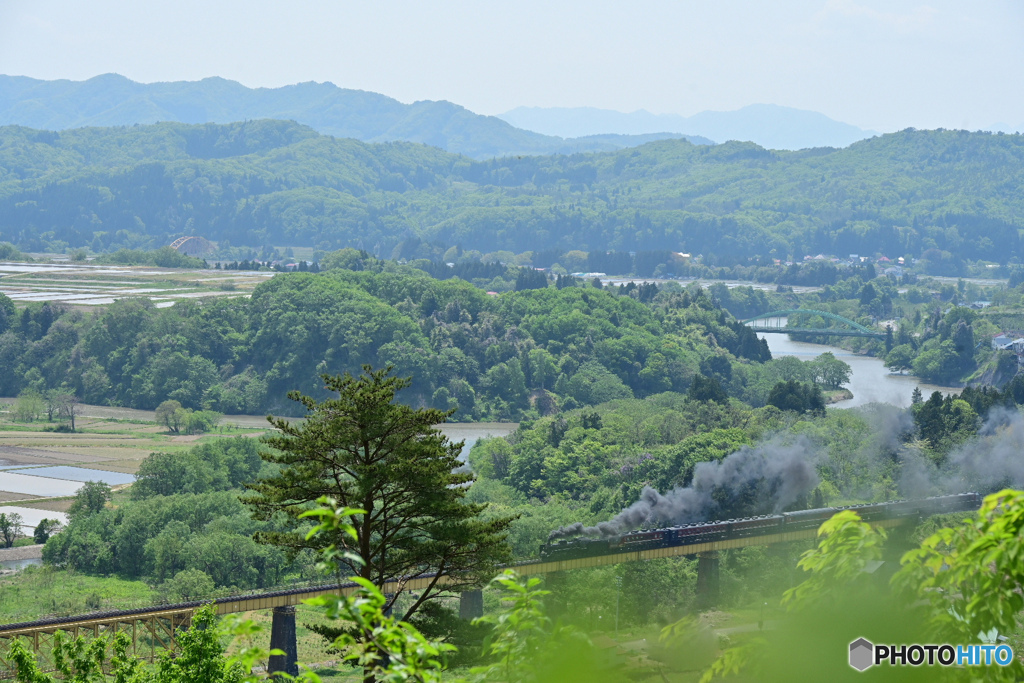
870 381
471 432
20 564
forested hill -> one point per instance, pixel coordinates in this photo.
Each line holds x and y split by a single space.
113 100
944 195
491 357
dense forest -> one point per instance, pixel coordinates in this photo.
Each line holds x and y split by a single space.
532 351
942 196
538 347
184 516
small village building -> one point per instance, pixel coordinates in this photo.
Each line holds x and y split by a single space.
1003 342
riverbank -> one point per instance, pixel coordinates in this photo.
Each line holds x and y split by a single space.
25 552
870 381
837 395
15 559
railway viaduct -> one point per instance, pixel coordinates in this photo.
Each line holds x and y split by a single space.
155 628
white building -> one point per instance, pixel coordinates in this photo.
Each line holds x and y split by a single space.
1003 342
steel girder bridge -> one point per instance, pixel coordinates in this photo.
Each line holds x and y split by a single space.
772 323
157 628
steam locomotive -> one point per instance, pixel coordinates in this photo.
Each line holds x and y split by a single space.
704 532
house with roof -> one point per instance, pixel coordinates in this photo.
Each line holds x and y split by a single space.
1002 342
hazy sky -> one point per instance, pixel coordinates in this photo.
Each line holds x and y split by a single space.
882 65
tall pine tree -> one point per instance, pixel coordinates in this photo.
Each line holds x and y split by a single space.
370 453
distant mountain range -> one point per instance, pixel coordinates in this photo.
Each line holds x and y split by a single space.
1001 127
113 100
767 125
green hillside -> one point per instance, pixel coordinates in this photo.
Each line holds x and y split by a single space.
943 195
491 357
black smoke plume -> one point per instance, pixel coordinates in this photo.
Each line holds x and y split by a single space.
753 480
992 460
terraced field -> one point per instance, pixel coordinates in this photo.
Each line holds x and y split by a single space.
47 467
92 285
41 470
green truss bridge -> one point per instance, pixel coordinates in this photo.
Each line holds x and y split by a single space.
772 323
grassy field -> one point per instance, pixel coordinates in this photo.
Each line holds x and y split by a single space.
38 592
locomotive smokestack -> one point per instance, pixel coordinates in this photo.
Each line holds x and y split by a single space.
566 531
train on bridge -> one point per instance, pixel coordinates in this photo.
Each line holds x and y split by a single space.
762 525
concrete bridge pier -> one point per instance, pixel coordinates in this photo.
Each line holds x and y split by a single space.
707 579
471 604
555 601
282 637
